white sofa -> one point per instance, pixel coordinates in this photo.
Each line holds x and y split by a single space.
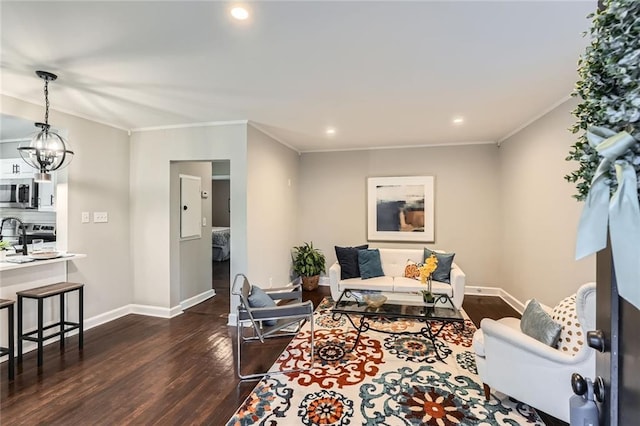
393 264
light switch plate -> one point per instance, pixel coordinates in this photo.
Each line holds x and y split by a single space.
100 217
85 217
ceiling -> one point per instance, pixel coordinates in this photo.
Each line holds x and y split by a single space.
382 73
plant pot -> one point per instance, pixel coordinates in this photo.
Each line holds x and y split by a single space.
310 283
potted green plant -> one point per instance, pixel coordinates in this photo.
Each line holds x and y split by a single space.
3 246
308 263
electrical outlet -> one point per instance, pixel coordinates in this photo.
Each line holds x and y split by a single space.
100 217
85 217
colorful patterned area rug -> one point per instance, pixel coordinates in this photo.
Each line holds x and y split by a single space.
389 379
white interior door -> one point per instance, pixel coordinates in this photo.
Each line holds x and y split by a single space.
190 207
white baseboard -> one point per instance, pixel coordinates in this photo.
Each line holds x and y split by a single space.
512 301
199 298
106 317
482 291
496 291
153 311
233 319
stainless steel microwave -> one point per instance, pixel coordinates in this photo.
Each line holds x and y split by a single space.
18 193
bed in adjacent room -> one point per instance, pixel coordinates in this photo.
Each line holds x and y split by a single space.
220 242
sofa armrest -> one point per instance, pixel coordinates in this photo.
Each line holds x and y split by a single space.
458 281
334 280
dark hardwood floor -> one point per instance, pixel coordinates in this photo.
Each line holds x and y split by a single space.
146 370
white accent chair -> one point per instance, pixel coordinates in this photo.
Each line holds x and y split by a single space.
530 371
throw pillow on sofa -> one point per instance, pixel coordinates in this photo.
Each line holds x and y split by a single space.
370 264
348 260
411 270
443 271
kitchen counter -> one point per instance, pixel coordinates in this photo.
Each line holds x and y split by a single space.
15 277
6 266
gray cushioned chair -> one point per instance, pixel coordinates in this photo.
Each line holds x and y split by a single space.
287 319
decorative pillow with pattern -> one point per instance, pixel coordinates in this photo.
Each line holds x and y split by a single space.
571 336
411 270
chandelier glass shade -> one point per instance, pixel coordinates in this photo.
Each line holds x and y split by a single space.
47 151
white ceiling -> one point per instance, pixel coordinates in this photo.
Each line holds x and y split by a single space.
382 73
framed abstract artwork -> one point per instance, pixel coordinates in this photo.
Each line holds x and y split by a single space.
400 209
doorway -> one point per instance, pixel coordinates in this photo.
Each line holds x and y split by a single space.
221 226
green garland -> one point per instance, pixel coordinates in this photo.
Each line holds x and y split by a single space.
609 87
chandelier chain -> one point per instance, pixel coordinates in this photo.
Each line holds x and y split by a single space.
46 100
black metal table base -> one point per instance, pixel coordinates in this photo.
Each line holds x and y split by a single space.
426 332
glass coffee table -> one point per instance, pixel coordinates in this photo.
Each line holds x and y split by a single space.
440 313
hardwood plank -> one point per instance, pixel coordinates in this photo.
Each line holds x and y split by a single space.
146 370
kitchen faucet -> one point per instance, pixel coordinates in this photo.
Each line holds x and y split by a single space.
21 226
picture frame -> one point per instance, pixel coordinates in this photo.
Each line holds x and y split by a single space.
401 209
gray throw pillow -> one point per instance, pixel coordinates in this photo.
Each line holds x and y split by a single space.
370 264
443 271
259 299
538 324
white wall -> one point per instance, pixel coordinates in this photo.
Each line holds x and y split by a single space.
156 263
97 181
272 208
539 216
195 254
332 201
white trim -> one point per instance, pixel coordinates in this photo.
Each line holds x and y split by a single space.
534 119
233 320
198 298
275 138
220 177
373 148
15 140
175 311
512 301
496 291
189 125
482 291
65 111
106 317
151 311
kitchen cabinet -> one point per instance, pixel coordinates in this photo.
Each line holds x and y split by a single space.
46 195
14 168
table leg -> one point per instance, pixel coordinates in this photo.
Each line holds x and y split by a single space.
62 321
81 317
40 331
11 347
20 328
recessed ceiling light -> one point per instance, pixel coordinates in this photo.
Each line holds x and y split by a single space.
458 120
240 13
330 131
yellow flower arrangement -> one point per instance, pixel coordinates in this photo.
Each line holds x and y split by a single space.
429 266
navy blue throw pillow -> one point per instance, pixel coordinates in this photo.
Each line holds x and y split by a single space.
369 263
348 260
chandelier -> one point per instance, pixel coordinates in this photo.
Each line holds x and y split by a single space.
47 151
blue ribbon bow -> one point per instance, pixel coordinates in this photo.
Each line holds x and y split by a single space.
621 212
